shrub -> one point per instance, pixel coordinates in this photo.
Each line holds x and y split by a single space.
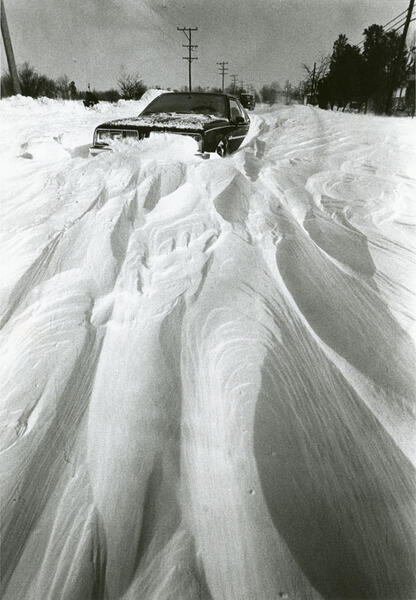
6 85
108 95
33 84
131 86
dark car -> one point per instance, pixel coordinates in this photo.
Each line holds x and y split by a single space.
248 100
217 122
90 100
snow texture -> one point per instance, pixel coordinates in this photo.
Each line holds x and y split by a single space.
207 367
173 120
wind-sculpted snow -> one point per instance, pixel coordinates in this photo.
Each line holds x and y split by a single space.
207 367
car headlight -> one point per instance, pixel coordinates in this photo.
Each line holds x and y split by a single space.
107 135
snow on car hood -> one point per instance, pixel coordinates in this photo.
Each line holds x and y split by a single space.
174 120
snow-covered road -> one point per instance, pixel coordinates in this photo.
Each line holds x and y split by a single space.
207 367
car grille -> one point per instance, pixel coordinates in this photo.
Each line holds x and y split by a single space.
105 135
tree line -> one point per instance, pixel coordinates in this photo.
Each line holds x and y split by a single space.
363 77
36 85
130 87
351 76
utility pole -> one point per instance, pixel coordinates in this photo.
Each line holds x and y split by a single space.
188 34
413 50
9 51
234 78
402 43
223 70
313 84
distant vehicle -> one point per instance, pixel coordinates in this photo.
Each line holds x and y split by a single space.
90 100
353 107
248 100
218 122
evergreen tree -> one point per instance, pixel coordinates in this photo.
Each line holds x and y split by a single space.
384 68
345 80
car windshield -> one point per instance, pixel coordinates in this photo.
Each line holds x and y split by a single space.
205 104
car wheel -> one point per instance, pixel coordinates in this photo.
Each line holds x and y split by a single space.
222 148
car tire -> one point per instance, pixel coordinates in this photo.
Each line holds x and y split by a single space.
222 147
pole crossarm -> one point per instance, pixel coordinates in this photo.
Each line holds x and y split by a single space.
223 70
187 31
234 77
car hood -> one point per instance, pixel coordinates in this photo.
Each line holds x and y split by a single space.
164 121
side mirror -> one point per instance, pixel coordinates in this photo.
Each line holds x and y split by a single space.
239 120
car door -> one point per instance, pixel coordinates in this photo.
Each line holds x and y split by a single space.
240 124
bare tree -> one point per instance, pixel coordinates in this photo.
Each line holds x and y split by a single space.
269 93
32 83
315 74
131 86
7 88
62 86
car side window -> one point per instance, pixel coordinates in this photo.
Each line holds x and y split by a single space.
235 111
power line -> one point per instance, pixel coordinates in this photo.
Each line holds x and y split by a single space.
222 71
391 20
397 17
153 15
396 26
399 53
401 25
188 34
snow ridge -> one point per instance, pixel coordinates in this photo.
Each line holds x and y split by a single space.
207 366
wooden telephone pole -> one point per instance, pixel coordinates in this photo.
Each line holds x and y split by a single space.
402 43
9 51
313 84
188 34
223 70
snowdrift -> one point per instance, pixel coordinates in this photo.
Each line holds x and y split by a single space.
207 373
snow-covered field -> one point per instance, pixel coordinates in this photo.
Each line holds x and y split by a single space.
207 367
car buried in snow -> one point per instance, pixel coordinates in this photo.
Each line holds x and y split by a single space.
218 122
247 100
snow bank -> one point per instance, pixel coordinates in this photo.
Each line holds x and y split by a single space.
51 130
208 366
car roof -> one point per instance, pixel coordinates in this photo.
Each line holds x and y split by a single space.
198 94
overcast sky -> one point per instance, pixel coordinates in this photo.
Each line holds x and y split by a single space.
262 40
